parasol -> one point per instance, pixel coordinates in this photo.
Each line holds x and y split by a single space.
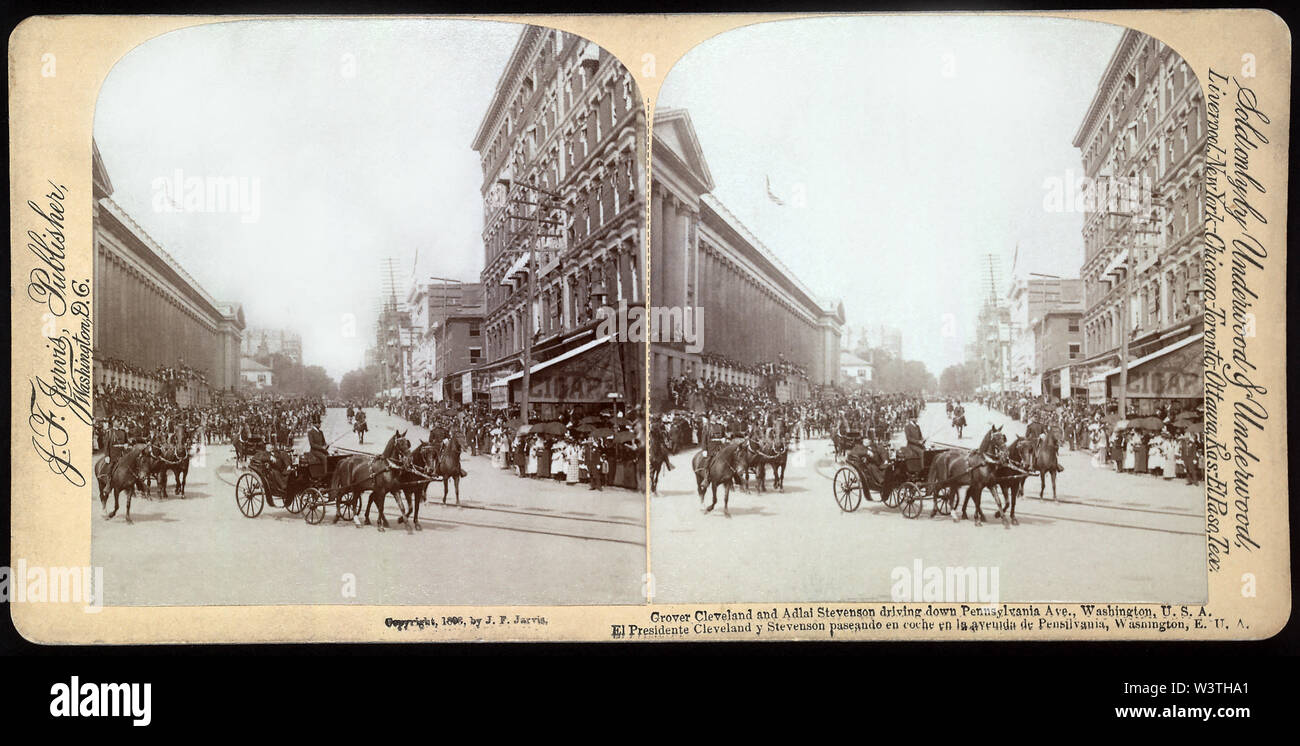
550 428
1147 423
601 432
624 437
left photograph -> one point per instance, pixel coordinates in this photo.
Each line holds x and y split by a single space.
363 290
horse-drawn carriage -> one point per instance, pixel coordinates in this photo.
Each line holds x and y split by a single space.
941 473
868 469
298 491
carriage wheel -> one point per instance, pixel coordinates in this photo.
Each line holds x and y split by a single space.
295 503
893 498
902 493
945 500
911 500
250 495
848 489
313 505
348 509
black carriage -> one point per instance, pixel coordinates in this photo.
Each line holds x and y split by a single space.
300 494
913 493
896 483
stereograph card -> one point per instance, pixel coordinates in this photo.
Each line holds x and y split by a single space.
837 327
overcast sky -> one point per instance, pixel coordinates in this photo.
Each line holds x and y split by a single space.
358 134
919 145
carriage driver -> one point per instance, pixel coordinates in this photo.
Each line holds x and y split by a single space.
318 452
914 451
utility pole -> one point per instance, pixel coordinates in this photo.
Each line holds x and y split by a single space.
1130 238
539 206
397 324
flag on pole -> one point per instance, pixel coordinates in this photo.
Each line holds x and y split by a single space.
771 195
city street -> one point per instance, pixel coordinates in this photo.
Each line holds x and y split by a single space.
511 542
1109 538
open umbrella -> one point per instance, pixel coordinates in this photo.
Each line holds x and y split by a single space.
601 432
1187 419
1148 423
550 428
624 437
524 429
591 420
585 428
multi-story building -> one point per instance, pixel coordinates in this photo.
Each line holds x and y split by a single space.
447 325
566 118
1142 142
192 343
260 342
1058 349
1030 299
751 321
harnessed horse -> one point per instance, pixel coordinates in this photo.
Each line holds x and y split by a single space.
953 469
376 474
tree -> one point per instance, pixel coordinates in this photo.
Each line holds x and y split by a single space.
362 383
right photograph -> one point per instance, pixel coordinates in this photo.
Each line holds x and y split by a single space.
927 316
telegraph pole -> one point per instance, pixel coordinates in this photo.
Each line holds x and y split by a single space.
539 206
397 325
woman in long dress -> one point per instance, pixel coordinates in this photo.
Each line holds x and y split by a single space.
559 463
1155 453
1130 451
1171 455
573 461
533 451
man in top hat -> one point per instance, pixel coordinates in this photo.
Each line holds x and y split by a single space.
914 450
317 455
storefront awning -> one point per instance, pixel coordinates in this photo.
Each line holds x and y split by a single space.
548 363
590 373
1172 372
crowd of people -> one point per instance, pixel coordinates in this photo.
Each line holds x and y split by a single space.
126 416
734 410
588 445
1167 442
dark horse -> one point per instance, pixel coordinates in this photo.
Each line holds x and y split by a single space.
659 454
173 457
129 469
423 463
448 465
379 475
1045 461
728 465
955 468
766 453
1010 477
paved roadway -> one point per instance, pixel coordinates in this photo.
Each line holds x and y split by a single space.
513 541
1109 537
